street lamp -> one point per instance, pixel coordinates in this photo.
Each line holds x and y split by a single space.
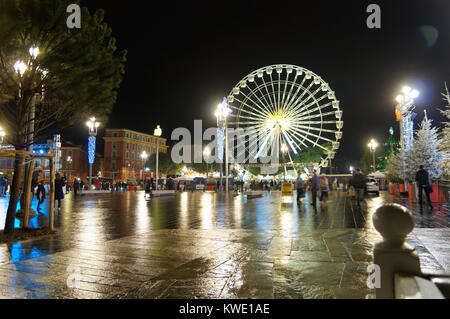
373 145
144 157
207 153
92 124
222 113
352 169
157 132
403 113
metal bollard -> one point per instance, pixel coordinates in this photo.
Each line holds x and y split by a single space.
393 255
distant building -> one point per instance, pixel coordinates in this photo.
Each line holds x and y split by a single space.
122 153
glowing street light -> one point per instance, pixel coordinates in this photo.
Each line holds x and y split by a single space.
403 113
2 135
373 145
20 67
222 113
144 157
157 132
34 51
92 124
351 169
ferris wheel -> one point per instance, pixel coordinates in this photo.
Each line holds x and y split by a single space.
288 106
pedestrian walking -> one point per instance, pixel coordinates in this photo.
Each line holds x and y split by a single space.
324 187
40 193
424 185
59 192
76 186
315 186
300 186
359 183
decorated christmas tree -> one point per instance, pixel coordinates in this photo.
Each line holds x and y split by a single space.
426 151
445 135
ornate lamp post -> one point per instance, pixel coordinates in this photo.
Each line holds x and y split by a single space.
157 133
373 145
92 124
222 113
404 113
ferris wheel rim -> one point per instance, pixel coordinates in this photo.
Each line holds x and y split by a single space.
307 126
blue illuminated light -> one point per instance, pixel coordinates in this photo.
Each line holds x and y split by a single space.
91 149
220 142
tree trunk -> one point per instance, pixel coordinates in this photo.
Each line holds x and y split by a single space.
14 194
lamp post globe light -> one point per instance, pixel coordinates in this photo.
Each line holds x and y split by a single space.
222 113
373 145
157 132
351 169
92 124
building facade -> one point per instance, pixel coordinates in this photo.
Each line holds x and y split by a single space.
122 154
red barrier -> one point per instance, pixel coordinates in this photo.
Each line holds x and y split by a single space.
402 188
434 196
411 190
394 189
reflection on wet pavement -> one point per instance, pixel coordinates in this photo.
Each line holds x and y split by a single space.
204 245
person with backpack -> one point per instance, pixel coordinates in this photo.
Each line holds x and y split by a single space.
424 185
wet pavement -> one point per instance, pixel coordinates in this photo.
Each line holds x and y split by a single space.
206 245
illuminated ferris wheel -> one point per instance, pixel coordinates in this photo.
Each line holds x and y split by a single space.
290 106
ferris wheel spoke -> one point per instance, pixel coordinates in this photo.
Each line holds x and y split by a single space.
307 111
276 106
268 94
258 89
301 95
289 101
306 106
300 102
292 87
316 129
289 140
316 115
312 134
294 136
259 113
262 107
285 87
265 104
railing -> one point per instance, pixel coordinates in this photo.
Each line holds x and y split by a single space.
400 275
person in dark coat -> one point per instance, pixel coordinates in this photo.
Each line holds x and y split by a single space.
40 193
424 185
359 183
59 193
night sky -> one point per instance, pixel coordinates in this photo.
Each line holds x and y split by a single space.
183 57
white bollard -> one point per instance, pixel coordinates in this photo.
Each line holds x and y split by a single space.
393 255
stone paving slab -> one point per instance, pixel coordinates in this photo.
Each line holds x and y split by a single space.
252 249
